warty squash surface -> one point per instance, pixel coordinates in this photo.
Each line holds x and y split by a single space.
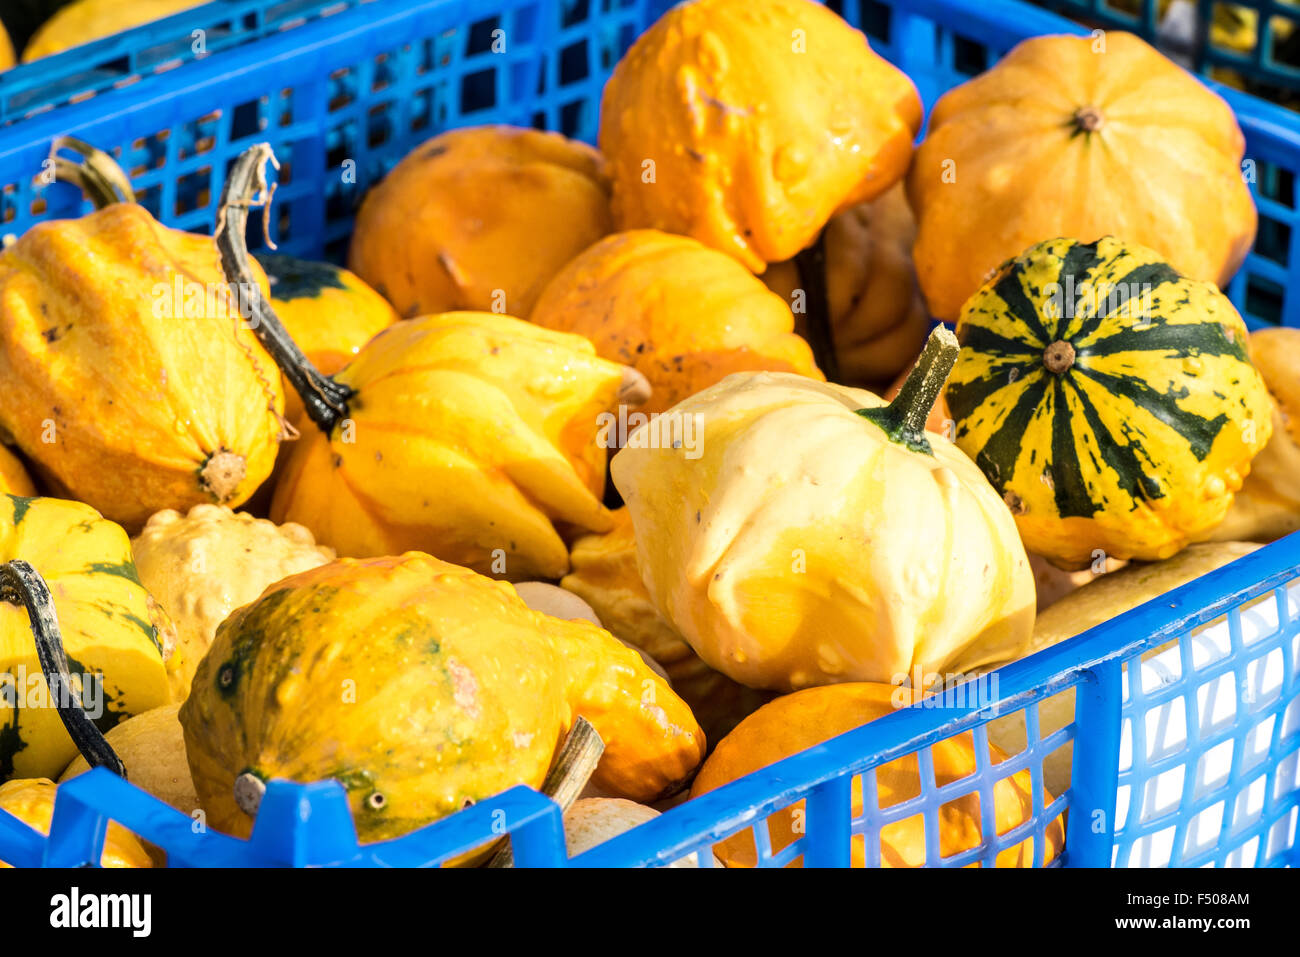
110 626
680 313
130 381
748 125
1120 421
822 536
203 565
806 718
422 687
1085 137
479 219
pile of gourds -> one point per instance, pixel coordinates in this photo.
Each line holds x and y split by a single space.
720 297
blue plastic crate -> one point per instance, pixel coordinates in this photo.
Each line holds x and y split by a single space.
342 99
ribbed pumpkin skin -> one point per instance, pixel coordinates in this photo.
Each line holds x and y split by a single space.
804 547
31 800
86 20
114 398
14 479
480 219
1139 444
469 433
806 718
1004 165
203 565
755 142
683 315
426 683
108 622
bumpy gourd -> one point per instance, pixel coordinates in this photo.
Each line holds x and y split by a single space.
747 126
878 318
1268 505
683 315
109 625
191 410
605 576
479 219
1078 136
792 723
422 687
1121 421
85 20
152 746
203 565
31 800
330 313
470 435
824 537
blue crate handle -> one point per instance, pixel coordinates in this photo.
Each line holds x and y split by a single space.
373 81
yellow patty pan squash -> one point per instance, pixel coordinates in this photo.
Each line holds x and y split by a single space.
422 687
822 536
110 627
878 318
680 313
479 219
152 746
1109 400
129 380
330 313
1268 505
14 479
1083 136
85 20
605 576
794 722
203 565
749 125
31 800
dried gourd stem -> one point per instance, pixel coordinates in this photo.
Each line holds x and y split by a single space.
20 584
325 400
1088 119
904 419
573 767
97 175
811 264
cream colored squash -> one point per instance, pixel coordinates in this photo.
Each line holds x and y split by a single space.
152 746
203 565
593 821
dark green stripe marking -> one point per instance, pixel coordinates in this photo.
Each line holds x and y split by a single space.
123 569
1072 496
983 339
299 278
998 457
21 505
1198 431
1181 341
1150 274
1018 304
1122 458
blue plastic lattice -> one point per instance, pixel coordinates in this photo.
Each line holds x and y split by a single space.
342 99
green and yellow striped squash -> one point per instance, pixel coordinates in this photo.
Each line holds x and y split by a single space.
109 625
1109 400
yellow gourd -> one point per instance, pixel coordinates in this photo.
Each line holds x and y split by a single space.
110 627
203 565
479 219
422 687
748 125
31 800
14 479
680 313
86 20
6 49
822 536
794 722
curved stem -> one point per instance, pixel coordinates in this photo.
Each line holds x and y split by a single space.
97 175
904 419
325 400
22 584
573 767
811 264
